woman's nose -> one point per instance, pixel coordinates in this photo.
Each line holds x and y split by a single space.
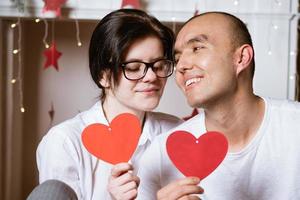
150 75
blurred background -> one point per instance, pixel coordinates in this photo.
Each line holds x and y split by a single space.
35 95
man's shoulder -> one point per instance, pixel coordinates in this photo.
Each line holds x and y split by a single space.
284 106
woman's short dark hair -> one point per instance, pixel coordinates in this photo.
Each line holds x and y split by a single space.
113 36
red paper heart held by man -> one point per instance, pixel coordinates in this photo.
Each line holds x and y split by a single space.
197 157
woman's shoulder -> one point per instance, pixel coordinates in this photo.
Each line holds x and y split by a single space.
73 127
67 130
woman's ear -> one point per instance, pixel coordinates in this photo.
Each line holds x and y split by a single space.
244 57
104 80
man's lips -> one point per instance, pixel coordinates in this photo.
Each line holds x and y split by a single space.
192 81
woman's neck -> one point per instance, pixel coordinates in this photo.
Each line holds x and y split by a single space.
112 107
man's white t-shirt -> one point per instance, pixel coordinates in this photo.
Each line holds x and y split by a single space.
268 168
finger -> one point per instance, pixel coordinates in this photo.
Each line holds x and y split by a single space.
189 198
178 183
130 195
194 197
137 180
120 168
123 179
189 181
185 191
128 186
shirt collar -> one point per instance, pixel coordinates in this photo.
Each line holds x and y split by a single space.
96 115
150 130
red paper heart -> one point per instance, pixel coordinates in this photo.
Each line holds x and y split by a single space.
114 143
197 157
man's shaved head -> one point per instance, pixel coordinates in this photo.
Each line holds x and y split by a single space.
237 29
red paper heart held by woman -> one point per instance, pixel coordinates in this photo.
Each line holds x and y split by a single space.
114 143
197 157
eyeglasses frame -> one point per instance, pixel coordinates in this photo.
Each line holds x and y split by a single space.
148 65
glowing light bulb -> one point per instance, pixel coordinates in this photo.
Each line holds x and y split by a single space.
15 51
13 81
292 77
22 109
37 20
13 25
47 46
79 44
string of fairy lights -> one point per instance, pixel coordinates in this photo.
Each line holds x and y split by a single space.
17 51
18 78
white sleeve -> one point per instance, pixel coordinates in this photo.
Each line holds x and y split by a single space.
149 172
57 159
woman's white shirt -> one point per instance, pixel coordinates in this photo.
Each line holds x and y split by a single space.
62 156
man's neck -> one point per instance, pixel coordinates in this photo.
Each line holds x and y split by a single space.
238 118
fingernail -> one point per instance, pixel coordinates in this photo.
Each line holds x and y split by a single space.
196 179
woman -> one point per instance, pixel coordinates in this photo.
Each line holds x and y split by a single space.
130 58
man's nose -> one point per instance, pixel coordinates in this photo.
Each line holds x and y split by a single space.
184 63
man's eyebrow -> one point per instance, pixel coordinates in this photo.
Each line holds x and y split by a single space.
198 38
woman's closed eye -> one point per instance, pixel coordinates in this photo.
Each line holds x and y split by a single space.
132 69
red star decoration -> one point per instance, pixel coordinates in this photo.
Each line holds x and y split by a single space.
194 113
131 4
52 56
53 5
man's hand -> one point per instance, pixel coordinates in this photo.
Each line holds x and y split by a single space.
182 189
122 184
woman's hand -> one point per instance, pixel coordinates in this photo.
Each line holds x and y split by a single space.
182 189
122 184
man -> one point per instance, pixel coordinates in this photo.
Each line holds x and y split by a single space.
215 68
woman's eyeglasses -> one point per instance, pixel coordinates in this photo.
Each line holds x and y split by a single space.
136 70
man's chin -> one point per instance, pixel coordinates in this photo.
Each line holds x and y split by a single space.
194 103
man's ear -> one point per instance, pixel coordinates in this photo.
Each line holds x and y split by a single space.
104 80
243 58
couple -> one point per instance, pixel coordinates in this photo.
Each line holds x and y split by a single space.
131 55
